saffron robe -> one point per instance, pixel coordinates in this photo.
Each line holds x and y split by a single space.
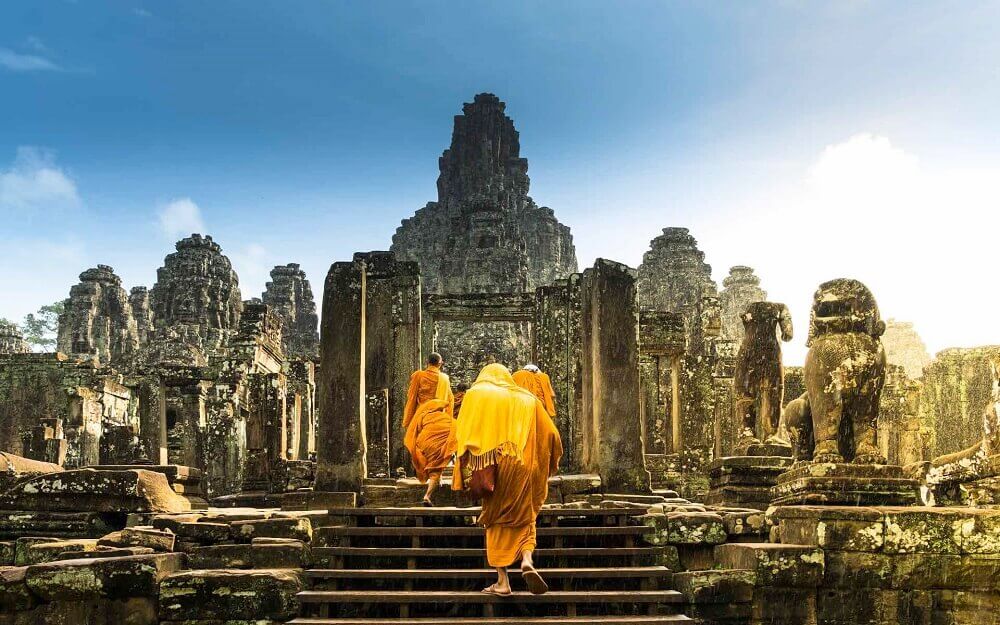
501 423
539 384
429 422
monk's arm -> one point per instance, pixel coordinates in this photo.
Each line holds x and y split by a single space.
555 454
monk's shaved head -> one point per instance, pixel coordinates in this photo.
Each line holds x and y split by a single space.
434 358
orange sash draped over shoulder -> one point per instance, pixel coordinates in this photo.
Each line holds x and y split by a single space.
429 422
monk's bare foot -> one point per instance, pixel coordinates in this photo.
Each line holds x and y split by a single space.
428 503
536 585
497 589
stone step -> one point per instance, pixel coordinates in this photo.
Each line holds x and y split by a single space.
391 531
637 572
409 597
669 619
549 620
433 552
475 511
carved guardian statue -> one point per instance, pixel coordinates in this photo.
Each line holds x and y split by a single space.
844 372
758 380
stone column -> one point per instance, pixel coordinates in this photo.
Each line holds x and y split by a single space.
613 431
340 436
265 432
392 345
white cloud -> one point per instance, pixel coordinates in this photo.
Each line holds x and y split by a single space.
17 62
253 265
180 218
34 181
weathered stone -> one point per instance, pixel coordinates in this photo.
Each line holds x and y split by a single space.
15 468
740 288
904 347
39 552
230 595
11 339
796 566
923 530
204 533
744 480
7 551
758 377
730 586
155 539
89 489
835 527
857 569
297 528
21 523
781 606
845 484
97 320
695 528
673 275
116 578
290 296
289 555
98 611
14 592
935 570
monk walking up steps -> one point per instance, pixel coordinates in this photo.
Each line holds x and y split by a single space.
507 447
535 380
429 423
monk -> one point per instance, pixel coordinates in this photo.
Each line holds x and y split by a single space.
430 423
535 380
505 430
460 396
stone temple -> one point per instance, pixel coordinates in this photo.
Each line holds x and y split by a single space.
192 454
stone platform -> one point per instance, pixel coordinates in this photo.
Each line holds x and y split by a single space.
744 481
845 484
971 482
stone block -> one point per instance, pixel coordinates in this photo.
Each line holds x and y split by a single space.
294 528
869 606
23 545
95 491
923 530
14 592
290 555
7 551
318 500
19 523
156 540
844 528
114 578
745 524
204 533
845 484
916 571
100 611
39 552
959 607
172 521
857 569
784 605
108 552
716 586
794 566
695 528
980 532
230 594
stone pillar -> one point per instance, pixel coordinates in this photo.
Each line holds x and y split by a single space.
340 437
612 427
152 413
265 433
302 382
392 346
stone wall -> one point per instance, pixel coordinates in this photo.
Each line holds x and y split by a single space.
740 288
956 388
11 339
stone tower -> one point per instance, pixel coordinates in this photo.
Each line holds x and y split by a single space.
673 275
197 294
904 347
740 288
485 234
143 314
290 297
97 318
11 339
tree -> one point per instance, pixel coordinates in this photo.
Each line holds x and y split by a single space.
40 328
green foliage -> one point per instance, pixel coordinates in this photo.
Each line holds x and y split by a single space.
40 328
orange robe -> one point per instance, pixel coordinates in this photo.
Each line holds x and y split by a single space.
429 422
510 512
540 386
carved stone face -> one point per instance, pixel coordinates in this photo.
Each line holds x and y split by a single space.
844 305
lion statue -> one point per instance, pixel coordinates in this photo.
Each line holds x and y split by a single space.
844 372
759 377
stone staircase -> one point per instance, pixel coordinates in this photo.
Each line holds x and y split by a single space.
425 566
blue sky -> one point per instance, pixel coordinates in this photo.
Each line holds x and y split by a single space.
810 140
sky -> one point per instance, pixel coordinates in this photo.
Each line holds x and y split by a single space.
808 140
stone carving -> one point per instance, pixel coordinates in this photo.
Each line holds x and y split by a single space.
673 275
290 297
197 294
904 347
797 421
141 312
740 289
990 443
844 372
11 339
97 318
758 379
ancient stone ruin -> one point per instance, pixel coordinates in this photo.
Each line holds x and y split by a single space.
191 457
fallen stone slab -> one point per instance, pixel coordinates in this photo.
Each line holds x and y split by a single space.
135 490
20 523
204 533
102 611
39 552
158 540
294 528
290 555
230 595
14 468
14 592
115 578
23 545
695 528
